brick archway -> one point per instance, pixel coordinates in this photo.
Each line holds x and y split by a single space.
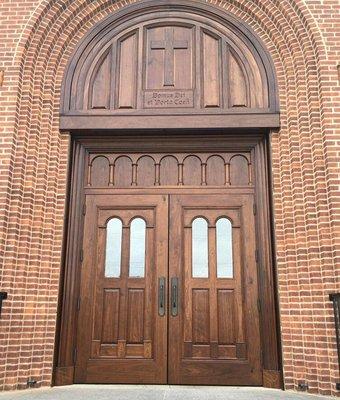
35 170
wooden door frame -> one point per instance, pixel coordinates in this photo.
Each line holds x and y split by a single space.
258 142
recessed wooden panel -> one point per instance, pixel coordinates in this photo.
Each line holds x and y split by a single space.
100 172
200 316
135 350
200 351
110 316
215 171
239 171
227 352
211 70
238 83
183 65
123 172
146 171
192 173
241 350
169 58
226 316
127 72
169 171
100 89
135 317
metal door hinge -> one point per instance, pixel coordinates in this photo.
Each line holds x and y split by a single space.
74 355
84 208
78 304
259 305
256 256
81 255
254 209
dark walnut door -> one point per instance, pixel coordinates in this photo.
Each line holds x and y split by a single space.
122 329
192 319
214 323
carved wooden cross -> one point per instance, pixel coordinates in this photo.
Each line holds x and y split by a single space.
169 45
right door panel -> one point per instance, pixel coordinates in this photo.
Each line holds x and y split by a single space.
214 335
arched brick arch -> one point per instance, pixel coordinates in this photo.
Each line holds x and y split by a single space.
35 164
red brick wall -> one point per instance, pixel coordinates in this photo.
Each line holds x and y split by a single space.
37 38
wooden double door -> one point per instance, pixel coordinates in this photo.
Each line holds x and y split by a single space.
169 290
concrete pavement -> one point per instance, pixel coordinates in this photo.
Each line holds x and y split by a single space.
149 392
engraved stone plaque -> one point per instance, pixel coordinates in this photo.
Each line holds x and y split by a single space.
169 99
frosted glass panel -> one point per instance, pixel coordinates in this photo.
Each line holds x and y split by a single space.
113 254
224 244
200 248
137 248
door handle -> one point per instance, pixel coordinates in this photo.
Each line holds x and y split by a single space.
161 297
174 297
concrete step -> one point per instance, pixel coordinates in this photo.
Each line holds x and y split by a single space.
151 392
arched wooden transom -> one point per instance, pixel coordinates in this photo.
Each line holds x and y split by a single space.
163 58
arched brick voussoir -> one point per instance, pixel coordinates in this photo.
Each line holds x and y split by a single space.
38 50
54 11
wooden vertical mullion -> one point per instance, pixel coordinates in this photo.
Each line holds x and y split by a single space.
100 280
134 174
204 174
187 287
227 174
89 173
250 175
149 285
87 289
141 34
213 291
112 174
157 174
124 273
180 174
125 260
237 273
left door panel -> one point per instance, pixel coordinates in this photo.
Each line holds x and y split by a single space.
122 327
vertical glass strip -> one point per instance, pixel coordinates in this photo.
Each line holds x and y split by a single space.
113 253
200 265
137 248
224 248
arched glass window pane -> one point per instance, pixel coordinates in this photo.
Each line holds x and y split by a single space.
200 264
113 254
224 244
137 248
